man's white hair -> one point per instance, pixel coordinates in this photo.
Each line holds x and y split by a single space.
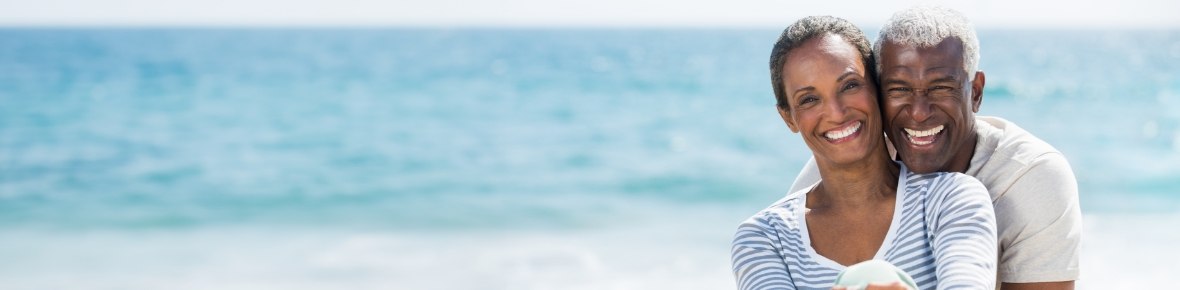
926 26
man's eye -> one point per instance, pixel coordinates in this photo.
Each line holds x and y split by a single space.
942 91
899 92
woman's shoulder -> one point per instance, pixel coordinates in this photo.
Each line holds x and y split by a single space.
780 215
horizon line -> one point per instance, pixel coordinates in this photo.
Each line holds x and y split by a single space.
538 26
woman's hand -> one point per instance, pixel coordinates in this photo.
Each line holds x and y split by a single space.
872 286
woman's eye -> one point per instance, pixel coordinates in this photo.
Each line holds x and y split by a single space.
807 100
850 86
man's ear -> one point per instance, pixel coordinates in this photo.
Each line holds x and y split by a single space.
977 91
786 115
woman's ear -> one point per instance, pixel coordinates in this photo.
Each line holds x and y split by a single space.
786 115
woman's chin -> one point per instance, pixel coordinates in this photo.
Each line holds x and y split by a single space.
849 153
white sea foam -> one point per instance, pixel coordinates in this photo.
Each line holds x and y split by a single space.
233 259
650 256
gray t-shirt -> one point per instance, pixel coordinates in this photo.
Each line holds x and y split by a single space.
1035 195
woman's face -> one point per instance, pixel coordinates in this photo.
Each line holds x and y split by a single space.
833 103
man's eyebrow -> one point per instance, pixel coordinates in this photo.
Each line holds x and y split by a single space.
945 79
894 82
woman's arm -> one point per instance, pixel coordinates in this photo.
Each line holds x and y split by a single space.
757 263
963 233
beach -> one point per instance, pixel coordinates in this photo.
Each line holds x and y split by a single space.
492 158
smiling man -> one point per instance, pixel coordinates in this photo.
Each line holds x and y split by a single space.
927 65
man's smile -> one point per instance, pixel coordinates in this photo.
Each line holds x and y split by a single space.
923 137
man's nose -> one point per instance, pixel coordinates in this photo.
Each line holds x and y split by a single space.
920 109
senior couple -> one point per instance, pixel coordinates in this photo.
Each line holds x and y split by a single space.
903 170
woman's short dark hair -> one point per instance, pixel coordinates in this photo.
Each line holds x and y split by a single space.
811 27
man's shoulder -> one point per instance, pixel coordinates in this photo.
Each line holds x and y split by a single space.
1004 146
1010 141
1005 153
1035 196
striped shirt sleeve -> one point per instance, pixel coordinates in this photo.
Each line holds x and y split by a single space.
757 263
962 228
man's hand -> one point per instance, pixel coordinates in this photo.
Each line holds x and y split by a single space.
872 286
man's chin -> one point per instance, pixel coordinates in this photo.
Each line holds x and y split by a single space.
921 166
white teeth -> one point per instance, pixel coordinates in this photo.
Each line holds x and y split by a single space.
916 142
843 133
918 134
925 133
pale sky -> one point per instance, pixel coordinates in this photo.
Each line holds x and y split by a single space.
547 13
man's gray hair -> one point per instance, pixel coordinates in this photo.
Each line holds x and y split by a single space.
926 26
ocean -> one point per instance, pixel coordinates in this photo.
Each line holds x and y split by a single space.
492 158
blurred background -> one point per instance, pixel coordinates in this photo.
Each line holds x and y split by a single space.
514 144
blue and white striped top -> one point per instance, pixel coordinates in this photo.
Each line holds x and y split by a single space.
943 234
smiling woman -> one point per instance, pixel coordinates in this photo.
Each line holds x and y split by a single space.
830 95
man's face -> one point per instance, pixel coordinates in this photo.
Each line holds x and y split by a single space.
929 104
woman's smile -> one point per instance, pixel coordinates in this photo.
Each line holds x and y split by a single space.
844 133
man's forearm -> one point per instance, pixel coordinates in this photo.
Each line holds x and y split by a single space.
1064 285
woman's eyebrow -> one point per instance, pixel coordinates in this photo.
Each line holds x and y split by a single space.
807 88
845 75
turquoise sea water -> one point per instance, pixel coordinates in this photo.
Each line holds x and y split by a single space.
489 158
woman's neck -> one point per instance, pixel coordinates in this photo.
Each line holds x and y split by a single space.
855 185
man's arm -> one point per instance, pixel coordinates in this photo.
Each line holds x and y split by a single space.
807 177
1041 227
1066 285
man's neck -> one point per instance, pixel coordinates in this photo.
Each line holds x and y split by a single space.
962 159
